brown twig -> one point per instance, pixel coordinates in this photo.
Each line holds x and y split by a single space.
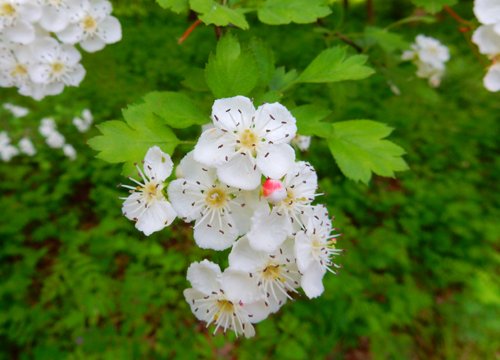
457 17
188 31
349 42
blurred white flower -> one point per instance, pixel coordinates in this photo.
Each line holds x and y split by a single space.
15 110
221 212
17 18
302 142
7 150
487 11
84 122
47 126
487 39
27 147
57 14
246 143
69 151
55 140
229 300
492 78
147 204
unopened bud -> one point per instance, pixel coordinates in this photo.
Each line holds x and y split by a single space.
274 191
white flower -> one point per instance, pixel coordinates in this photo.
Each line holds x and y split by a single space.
57 65
55 140
7 151
302 142
83 123
492 79
487 11
146 204
431 51
17 18
69 151
221 212
276 273
57 14
433 74
92 26
47 126
15 62
314 248
246 143
271 225
487 39
15 110
229 300
27 147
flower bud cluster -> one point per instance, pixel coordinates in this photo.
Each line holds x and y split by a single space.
38 37
487 38
243 190
430 56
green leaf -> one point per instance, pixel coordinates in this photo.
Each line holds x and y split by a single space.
281 79
230 71
176 110
279 12
434 6
309 120
359 149
214 13
263 56
388 41
177 6
128 141
333 65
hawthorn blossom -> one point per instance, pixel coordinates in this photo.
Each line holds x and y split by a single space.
147 204
57 14
276 273
272 223
487 12
487 38
15 61
492 79
246 143
314 249
83 123
47 126
221 212
302 142
7 150
69 151
17 18
26 146
16 111
92 26
229 299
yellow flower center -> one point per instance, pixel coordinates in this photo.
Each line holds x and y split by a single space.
225 306
89 23
248 140
273 272
216 198
7 10
19 70
57 67
152 191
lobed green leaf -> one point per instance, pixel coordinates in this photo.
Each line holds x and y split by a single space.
214 13
279 12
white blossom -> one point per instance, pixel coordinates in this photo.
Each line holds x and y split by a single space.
492 78
221 212
7 150
302 142
47 126
147 204
273 223
17 18
55 140
487 11
57 14
314 249
229 300
69 151
84 122
276 273
246 143
17 111
26 146
92 27
487 39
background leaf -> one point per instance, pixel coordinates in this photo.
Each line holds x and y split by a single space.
434 6
279 12
214 13
177 6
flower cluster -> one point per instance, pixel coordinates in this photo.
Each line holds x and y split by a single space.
243 190
487 38
54 139
430 56
37 38
7 150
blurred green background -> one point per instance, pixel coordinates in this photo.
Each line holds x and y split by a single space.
420 276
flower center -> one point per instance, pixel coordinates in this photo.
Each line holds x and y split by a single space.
216 198
89 24
57 67
7 10
248 140
225 307
272 272
19 70
152 191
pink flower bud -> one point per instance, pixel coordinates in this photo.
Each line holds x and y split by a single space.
274 191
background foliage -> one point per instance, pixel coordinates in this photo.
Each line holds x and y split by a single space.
420 277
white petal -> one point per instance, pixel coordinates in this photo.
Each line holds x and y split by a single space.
245 258
312 280
53 19
302 178
487 39
239 286
258 310
191 295
110 30
487 11
232 113
70 55
303 251
275 123
71 34
210 234
92 44
269 230
275 160
204 276
30 12
242 209
492 78
22 33
240 172
158 215
76 76
214 146
195 171
183 194
157 164
40 73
